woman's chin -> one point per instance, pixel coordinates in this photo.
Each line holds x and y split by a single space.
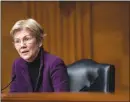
26 58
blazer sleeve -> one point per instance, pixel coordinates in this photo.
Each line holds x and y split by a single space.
59 76
13 83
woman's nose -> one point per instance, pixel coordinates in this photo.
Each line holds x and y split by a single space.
22 44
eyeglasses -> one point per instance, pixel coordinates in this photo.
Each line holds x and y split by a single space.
26 40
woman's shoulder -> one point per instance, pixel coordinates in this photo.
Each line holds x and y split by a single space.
51 58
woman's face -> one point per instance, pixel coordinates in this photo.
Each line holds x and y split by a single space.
26 45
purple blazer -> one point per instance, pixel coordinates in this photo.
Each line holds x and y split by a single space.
54 75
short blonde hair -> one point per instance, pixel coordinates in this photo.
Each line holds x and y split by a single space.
31 25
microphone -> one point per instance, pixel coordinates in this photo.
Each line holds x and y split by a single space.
9 83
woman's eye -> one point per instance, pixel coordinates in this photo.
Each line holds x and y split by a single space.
26 39
16 41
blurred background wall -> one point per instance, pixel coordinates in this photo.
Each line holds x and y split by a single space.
75 30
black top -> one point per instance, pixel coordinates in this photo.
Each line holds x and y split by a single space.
33 68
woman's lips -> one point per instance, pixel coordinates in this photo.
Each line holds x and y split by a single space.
24 52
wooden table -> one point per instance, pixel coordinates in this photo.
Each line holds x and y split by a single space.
65 97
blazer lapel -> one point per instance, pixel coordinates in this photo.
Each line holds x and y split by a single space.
26 75
40 76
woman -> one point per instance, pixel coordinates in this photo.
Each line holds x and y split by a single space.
36 70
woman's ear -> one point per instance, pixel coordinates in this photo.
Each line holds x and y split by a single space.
40 43
42 38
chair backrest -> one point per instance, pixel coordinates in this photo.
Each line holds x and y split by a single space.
88 75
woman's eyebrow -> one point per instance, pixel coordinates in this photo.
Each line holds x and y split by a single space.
24 36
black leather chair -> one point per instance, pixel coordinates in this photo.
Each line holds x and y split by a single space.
88 75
